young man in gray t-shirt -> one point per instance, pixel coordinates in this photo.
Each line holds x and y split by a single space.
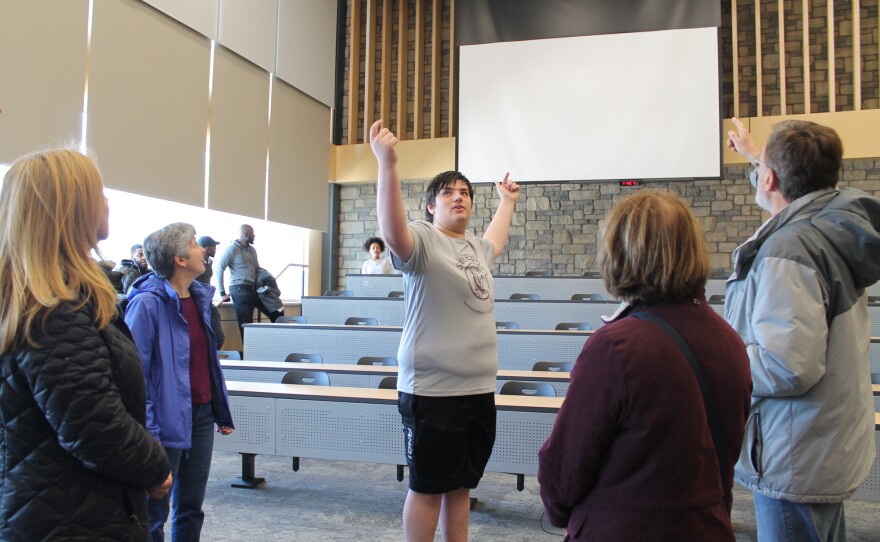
448 353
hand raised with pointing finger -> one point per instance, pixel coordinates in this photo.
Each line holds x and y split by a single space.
383 143
507 188
741 141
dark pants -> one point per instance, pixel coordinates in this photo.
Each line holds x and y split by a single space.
217 326
245 300
190 470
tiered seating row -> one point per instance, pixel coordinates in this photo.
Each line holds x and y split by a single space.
527 314
517 349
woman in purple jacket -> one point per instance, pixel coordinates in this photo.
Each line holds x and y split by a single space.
631 455
169 316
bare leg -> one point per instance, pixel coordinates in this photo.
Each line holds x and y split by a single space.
421 512
455 515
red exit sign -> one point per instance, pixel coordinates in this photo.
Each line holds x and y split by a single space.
630 183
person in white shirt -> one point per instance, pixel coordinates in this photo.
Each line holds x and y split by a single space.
379 263
448 351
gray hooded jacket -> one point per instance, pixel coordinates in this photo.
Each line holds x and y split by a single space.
797 298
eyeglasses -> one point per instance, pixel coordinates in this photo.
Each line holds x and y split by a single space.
753 176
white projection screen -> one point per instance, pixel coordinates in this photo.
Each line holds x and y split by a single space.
643 105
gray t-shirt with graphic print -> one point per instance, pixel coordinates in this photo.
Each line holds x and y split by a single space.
449 346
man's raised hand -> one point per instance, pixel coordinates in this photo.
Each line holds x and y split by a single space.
383 143
741 141
507 188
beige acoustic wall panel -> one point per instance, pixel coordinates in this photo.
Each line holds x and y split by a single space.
249 28
200 15
42 73
148 101
239 136
298 159
307 47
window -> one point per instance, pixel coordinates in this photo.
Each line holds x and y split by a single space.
282 249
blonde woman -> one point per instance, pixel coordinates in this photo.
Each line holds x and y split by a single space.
76 458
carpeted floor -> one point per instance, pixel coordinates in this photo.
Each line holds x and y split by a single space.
343 501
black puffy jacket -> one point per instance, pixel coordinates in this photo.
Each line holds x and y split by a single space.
74 455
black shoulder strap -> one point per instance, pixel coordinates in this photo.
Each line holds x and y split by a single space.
708 398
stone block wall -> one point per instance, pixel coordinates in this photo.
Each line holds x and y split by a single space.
555 226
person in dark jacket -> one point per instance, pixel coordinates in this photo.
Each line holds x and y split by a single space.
170 319
75 458
134 268
210 245
631 454
115 277
270 294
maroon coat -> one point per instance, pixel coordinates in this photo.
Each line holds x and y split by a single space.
631 455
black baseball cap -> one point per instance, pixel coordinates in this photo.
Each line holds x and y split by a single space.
207 241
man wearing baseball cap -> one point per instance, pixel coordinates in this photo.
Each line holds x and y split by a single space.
210 245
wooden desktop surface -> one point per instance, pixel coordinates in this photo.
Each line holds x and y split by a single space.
400 328
503 374
374 395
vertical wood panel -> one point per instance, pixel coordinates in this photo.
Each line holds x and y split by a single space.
385 93
857 55
419 80
759 71
370 70
452 50
783 85
402 61
832 61
397 101
436 68
354 70
806 53
735 49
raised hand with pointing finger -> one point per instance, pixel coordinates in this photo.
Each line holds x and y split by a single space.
507 188
741 141
383 143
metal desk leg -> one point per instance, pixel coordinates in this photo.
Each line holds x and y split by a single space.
247 479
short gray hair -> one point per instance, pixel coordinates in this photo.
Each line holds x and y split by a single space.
161 246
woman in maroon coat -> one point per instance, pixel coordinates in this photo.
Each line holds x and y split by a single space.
631 456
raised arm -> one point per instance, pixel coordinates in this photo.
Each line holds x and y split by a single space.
499 229
389 199
741 141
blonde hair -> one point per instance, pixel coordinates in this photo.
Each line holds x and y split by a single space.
653 250
51 208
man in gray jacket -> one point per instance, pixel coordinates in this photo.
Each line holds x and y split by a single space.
241 259
797 298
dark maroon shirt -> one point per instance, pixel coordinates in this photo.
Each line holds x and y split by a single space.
199 372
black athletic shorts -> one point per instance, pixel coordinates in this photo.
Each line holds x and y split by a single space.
448 440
